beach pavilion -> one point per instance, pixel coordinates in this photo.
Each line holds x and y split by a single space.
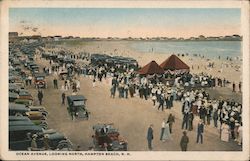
173 64
150 69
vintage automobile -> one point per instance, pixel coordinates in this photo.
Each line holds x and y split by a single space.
13 96
108 138
18 110
57 140
40 109
21 123
35 69
18 118
22 101
38 118
39 80
25 94
77 107
31 64
14 88
17 80
20 137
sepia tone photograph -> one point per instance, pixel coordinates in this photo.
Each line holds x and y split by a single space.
128 79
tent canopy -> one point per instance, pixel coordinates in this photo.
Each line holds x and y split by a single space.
174 63
151 68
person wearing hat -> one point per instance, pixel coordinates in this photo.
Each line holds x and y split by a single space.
40 96
150 136
184 141
33 142
232 126
46 142
200 130
161 102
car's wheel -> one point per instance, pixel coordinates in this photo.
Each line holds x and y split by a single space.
64 144
44 125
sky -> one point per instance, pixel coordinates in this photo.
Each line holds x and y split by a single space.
125 22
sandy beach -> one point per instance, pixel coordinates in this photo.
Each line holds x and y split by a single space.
131 116
230 70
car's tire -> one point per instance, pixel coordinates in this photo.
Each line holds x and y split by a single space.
64 144
44 125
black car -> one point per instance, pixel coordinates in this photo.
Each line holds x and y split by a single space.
77 107
20 137
13 96
18 110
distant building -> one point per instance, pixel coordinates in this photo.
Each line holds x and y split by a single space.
57 38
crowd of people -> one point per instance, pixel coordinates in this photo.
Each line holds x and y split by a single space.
186 88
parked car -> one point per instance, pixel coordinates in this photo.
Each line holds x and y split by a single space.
108 138
41 109
39 80
22 101
36 115
25 94
14 88
18 118
77 107
18 110
20 137
35 69
13 96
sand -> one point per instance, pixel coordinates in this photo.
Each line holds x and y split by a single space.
230 70
131 116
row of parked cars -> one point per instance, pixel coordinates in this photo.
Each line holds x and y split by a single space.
106 137
27 120
97 59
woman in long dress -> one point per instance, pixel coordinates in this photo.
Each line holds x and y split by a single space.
224 132
240 135
166 133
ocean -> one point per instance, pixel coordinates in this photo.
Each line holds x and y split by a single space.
208 49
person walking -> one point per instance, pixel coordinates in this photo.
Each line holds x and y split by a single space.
112 91
185 121
171 120
55 83
184 141
225 132
154 99
150 136
215 118
162 128
190 121
40 96
166 133
161 102
233 87
200 130
239 86
63 98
